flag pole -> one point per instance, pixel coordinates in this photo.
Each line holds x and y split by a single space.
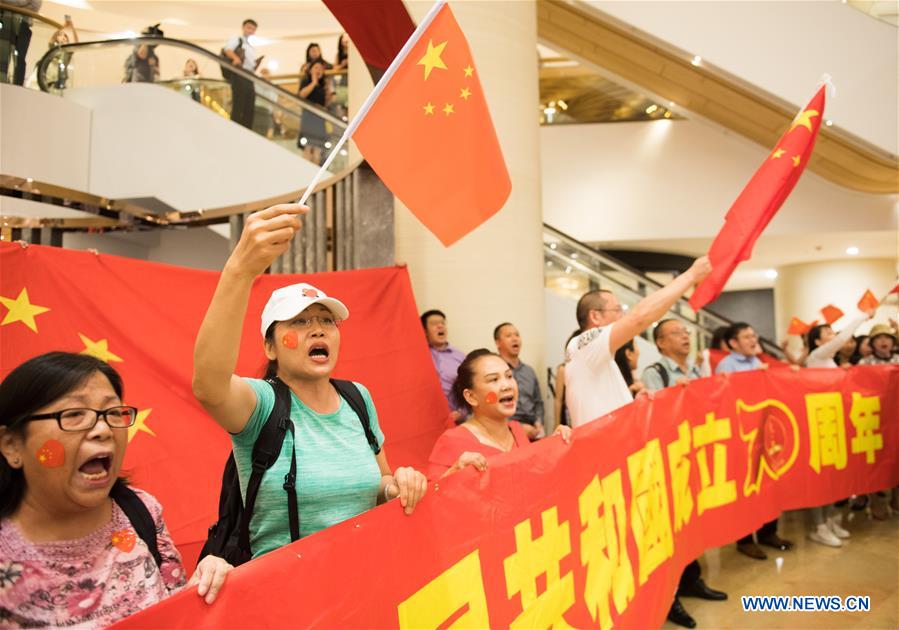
372 97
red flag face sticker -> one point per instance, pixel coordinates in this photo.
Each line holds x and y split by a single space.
124 540
52 454
289 340
309 293
491 398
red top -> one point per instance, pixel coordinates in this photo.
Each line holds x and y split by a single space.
459 439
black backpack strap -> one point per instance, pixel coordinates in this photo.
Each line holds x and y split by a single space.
139 515
351 393
663 373
266 451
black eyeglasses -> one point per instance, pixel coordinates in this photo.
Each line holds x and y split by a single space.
83 419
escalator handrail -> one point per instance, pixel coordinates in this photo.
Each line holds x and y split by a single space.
770 346
198 50
32 14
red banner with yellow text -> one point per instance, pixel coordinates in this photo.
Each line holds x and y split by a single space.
590 534
142 318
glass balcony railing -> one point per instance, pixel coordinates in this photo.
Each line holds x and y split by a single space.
231 92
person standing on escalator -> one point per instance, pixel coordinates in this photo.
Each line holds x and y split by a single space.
240 52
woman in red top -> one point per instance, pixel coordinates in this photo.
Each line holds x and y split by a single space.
487 390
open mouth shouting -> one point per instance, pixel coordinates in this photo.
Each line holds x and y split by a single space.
319 352
96 469
507 400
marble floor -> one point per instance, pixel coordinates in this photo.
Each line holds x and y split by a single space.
867 564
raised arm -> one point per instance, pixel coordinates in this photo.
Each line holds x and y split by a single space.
829 350
227 398
654 305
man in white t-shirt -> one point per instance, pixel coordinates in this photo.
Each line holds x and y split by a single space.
241 53
593 383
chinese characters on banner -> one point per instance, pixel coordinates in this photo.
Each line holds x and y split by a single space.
593 534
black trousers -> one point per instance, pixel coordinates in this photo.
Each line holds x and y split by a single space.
243 100
14 42
691 573
768 529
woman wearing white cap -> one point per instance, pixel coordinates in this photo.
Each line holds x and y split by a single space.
338 476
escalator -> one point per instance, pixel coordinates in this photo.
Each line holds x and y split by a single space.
278 115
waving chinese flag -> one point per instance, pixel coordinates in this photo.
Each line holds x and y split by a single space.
798 327
428 133
868 302
831 313
760 200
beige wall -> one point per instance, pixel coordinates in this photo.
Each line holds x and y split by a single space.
802 290
494 274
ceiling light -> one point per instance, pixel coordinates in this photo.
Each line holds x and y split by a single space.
696 60
553 245
852 250
574 255
273 65
829 123
670 103
568 269
667 114
563 105
549 111
549 263
651 109
771 274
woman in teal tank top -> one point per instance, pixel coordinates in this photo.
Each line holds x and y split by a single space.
338 475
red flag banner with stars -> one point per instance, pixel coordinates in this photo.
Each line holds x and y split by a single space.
868 302
429 135
142 318
760 200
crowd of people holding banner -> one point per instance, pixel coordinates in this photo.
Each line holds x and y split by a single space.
79 546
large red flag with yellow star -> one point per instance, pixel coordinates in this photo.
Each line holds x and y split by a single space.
429 135
760 200
142 318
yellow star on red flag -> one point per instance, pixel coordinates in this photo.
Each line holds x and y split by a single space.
468 71
140 425
429 109
796 161
432 58
448 109
464 94
804 119
21 310
98 349
778 153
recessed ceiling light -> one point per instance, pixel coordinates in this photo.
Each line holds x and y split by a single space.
651 109
771 274
829 123
852 250
696 60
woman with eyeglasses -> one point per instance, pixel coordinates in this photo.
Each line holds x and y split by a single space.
339 472
72 549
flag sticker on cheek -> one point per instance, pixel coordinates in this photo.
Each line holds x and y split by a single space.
491 398
51 455
289 340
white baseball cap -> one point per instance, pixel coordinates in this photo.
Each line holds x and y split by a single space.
288 302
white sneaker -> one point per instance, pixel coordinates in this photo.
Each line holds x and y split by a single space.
834 523
823 536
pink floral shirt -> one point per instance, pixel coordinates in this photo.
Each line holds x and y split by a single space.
90 582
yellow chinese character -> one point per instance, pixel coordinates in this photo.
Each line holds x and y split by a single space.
826 430
442 598
650 516
604 548
679 466
865 417
536 557
715 488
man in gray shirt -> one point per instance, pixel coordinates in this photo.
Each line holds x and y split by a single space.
529 411
675 368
